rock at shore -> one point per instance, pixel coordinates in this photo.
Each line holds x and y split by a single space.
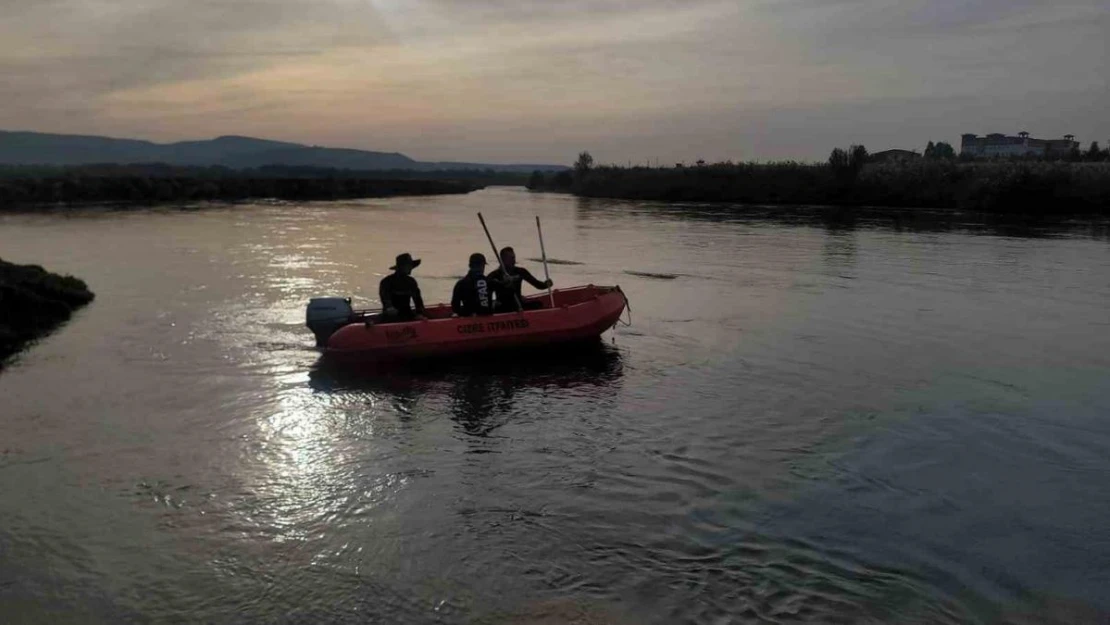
33 302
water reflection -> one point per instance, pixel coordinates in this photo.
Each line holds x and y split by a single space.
482 400
911 220
590 363
774 438
481 391
839 250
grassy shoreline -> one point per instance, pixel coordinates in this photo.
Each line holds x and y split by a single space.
1040 188
33 302
29 187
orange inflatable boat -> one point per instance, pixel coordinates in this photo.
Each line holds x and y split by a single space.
579 313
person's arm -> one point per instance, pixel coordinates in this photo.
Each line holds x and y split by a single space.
417 300
496 278
527 275
499 285
502 286
457 303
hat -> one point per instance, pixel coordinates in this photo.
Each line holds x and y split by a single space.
477 259
405 259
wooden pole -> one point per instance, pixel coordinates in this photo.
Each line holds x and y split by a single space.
543 253
504 274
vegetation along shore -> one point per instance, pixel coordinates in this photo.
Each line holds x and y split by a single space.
851 178
22 186
33 302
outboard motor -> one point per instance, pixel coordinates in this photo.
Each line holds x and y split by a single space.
325 315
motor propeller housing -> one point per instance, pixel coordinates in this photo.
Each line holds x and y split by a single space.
325 315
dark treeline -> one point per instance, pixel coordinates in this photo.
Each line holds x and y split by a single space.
483 177
33 302
850 179
32 185
159 170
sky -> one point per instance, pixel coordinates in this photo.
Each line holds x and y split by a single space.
538 81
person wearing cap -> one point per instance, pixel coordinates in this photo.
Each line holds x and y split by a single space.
507 282
399 292
472 295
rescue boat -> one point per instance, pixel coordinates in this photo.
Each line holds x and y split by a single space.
578 314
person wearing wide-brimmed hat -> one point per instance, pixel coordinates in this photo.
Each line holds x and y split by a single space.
399 292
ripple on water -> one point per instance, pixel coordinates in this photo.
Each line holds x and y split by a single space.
809 422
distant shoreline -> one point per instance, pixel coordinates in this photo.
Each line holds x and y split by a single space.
119 186
1027 188
33 303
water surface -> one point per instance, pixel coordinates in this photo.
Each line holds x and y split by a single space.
815 417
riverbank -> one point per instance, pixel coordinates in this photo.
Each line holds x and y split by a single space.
33 302
998 187
31 186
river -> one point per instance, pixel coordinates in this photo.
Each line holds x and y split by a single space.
812 418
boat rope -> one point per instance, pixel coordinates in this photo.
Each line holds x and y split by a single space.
628 307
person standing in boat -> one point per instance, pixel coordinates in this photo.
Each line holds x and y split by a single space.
472 294
508 281
399 292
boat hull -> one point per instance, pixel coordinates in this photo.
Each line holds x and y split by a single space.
579 314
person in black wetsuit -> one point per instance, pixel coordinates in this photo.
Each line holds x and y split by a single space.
508 281
472 294
399 292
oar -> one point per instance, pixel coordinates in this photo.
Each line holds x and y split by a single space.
504 273
543 253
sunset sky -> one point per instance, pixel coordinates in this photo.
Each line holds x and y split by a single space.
538 81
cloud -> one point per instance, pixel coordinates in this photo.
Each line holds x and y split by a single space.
108 46
505 80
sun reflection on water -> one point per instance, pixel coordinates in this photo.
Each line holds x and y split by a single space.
317 468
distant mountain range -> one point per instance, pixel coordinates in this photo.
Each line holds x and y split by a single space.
36 148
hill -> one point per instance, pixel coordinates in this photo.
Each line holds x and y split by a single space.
35 148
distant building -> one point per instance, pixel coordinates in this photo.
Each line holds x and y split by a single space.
895 155
1022 145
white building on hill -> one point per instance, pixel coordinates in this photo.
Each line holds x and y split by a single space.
1022 145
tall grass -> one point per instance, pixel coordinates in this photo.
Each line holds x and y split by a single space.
29 185
1011 187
